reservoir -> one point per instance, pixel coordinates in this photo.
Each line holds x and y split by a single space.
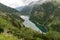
32 25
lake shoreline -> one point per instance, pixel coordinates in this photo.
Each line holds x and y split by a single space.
30 24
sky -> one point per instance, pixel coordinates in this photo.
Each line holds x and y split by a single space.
16 3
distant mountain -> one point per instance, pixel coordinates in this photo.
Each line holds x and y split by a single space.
5 8
20 8
48 15
26 10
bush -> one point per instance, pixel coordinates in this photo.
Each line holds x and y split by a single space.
7 37
53 35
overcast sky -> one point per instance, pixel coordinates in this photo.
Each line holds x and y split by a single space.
16 3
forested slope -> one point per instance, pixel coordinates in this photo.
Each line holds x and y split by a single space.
12 28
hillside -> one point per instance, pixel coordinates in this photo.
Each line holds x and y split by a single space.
12 28
4 8
25 10
47 14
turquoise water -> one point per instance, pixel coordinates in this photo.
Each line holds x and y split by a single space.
41 27
30 24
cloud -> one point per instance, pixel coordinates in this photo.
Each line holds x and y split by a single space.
28 1
16 3
12 3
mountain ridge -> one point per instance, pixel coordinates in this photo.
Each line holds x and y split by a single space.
26 10
5 8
